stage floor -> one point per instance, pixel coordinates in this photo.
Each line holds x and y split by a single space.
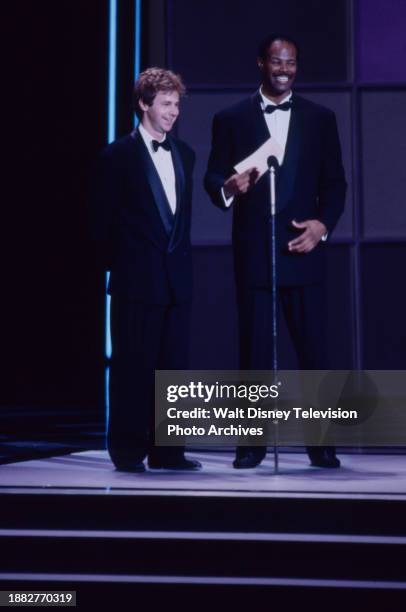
366 475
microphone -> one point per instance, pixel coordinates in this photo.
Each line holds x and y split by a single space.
273 166
273 162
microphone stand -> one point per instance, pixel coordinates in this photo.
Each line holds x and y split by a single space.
273 166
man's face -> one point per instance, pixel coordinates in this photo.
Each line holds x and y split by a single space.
163 112
279 69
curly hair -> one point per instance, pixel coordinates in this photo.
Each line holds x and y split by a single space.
153 80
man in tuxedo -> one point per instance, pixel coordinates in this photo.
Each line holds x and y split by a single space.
141 202
310 195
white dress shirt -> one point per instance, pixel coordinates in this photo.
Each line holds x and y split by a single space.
163 163
278 126
277 122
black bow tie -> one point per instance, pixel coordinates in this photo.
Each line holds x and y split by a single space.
271 108
164 144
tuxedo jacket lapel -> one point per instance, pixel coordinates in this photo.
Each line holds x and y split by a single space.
155 184
179 172
287 174
260 133
177 229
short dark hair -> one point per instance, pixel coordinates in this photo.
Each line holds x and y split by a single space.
153 80
271 38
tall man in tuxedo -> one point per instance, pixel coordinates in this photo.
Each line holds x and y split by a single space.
310 194
142 192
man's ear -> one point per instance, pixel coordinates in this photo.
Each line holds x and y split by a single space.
144 107
260 63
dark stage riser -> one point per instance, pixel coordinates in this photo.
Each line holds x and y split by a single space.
178 544
211 512
210 554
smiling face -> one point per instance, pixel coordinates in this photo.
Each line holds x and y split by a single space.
158 119
278 70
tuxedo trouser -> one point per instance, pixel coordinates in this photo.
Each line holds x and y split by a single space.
144 338
304 312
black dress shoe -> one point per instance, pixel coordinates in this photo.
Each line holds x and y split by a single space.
248 460
324 458
130 467
175 464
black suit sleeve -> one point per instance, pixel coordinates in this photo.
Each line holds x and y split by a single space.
105 195
332 183
220 166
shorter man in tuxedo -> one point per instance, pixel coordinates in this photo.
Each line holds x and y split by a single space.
142 193
310 194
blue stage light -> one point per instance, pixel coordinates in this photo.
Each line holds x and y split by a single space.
111 134
137 39
112 76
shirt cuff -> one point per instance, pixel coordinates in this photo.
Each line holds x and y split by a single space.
324 237
227 201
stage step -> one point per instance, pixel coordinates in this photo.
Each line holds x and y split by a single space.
183 542
210 592
203 511
310 556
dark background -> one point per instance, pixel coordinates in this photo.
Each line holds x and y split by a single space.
353 59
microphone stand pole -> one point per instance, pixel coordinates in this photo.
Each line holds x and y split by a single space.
273 165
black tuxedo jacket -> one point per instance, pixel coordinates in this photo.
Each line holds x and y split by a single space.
310 185
145 247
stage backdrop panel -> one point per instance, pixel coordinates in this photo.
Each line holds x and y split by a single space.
383 162
215 43
382 41
339 300
384 306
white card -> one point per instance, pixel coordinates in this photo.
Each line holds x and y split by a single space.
259 159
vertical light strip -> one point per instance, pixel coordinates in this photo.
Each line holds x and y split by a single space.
112 84
111 135
111 128
137 39
111 122
137 46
